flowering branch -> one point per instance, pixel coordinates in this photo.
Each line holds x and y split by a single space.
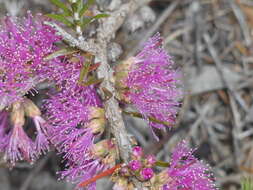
106 32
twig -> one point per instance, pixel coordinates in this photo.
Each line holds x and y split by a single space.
218 64
197 22
241 19
88 46
157 24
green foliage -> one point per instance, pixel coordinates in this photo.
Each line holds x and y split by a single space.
84 71
86 6
62 6
61 52
87 21
67 17
247 184
61 18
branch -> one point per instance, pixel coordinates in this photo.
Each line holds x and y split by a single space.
87 46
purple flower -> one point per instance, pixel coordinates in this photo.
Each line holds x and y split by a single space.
135 165
137 151
153 84
151 160
187 172
147 173
23 45
69 113
4 125
14 142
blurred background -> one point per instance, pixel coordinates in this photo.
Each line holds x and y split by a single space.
211 41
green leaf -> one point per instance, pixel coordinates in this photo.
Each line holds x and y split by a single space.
61 5
61 52
92 80
153 119
102 15
87 21
84 72
86 6
162 164
60 18
247 184
79 5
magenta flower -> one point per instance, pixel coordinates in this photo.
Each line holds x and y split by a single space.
135 165
69 113
153 84
187 172
137 151
4 125
23 45
151 160
14 142
147 173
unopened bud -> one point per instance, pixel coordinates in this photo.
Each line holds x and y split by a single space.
147 173
103 148
121 72
160 179
137 151
31 110
135 165
17 114
97 126
109 159
96 112
150 160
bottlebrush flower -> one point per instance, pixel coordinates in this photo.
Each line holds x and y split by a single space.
186 171
15 143
76 118
70 132
23 45
149 82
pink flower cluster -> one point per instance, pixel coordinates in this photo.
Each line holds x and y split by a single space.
153 83
187 172
23 45
69 113
74 116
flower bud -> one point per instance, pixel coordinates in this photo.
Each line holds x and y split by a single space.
97 126
96 112
121 74
123 184
147 173
137 151
135 165
103 148
150 160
